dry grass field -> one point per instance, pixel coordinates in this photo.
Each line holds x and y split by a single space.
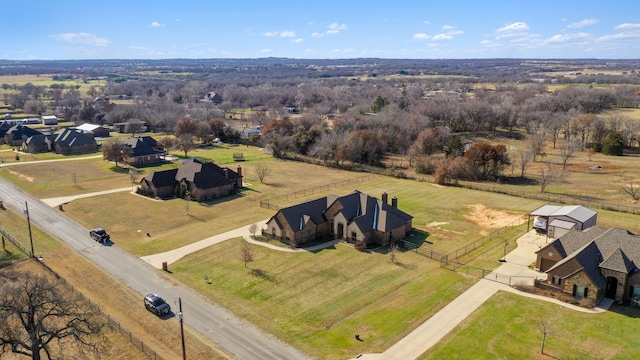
115 299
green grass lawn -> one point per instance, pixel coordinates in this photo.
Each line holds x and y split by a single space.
318 301
507 327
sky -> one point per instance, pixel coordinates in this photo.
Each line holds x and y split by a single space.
312 29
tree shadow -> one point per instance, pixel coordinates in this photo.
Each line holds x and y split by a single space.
264 275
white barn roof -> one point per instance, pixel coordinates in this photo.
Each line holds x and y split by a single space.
87 127
577 212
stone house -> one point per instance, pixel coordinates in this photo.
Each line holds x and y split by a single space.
143 150
17 134
592 264
354 217
201 180
69 142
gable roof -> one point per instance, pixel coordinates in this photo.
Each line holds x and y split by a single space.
205 175
38 140
142 146
576 212
162 178
69 138
614 249
18 132
366 212
87 127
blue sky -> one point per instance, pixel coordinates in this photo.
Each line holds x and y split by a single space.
420 29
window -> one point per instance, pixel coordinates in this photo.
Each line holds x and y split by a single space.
555 280
580 291
353 235
332 224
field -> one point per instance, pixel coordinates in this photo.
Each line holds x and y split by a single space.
115 299
47 80
508 327
315 301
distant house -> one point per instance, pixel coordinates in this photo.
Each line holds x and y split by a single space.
37 143
354 217
201 180
49 120
93 130
4 127
143 150
130 127
18 133
214 97
593 264
561 219
69 142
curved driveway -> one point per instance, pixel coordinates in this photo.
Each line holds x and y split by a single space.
238 337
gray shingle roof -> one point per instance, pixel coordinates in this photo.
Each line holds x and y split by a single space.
205 175
368 213
142 146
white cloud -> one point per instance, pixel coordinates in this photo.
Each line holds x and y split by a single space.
297 41
619 36
627 26
285 33
421 36
155 24
442 37
515 27
336 26
82 38
426 22
138 47
583 23
332 29
265 51
560 38
447 27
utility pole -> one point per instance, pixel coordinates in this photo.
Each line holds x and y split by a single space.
26 212
184 351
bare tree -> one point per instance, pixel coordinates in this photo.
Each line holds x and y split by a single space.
262 171
246 253
632 189
537 143
253 228
393 253
567 150
38 314
549 174
74 178
115 150
525 156
185 143
545 328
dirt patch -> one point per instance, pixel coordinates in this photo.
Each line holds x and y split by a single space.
490 218
21 176
437 224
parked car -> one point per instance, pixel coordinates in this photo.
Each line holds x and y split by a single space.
100 235
156 304
540 224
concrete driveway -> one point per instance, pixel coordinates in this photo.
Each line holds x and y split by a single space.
514 270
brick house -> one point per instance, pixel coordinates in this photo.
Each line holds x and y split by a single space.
69 142
354 217
202 180
592 264
143 150
17 134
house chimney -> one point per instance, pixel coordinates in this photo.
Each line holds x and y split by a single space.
394 202
240 171
226 173
385 197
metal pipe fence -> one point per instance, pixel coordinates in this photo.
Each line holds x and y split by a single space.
115 325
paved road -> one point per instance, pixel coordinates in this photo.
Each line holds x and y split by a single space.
240 338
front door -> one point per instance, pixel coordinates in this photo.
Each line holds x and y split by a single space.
611 287
340 233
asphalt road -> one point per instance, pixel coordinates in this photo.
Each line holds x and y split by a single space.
236 336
